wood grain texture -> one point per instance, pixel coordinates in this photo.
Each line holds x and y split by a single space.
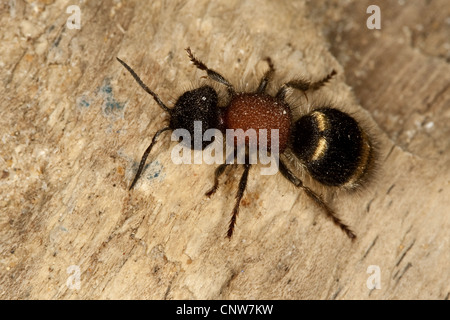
74 125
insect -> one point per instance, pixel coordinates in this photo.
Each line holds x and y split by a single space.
329 143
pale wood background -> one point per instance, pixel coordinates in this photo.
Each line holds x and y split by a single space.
74 124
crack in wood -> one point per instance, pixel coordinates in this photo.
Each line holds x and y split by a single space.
409 265
405 252
370 248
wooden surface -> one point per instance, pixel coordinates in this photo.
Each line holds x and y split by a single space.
74 124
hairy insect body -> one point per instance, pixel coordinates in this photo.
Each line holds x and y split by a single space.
329 143
332 146
260 111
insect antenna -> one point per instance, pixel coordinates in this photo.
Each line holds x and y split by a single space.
142 84
145 155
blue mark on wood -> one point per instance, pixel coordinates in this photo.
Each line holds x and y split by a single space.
153 170
83 101
111 105
107 88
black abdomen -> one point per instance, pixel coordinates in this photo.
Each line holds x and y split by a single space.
332 146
